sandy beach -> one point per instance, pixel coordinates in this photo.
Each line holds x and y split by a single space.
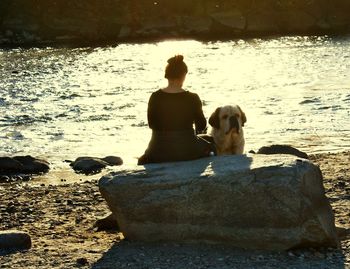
60 220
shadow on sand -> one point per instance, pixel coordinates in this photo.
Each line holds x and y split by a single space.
190 256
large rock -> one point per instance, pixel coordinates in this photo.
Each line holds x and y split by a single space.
23 164
32 165
9 165
272 202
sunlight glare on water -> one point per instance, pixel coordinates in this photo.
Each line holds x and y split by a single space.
61 103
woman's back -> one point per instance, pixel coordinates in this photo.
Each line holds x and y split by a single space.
175 111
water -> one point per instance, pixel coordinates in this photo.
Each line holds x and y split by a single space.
61 103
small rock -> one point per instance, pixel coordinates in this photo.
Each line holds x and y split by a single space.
9 165
340 184
82 261
282 149
93 165
23 165
113 160
4 179
88 165
107 223
301 256
15 240
26 178
319 255
32 165
11 209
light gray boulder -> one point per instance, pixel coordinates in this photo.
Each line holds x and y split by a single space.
273 202
14 240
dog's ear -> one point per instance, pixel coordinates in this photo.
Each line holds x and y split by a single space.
244 117
214 120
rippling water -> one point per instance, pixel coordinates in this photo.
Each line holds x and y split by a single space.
60 103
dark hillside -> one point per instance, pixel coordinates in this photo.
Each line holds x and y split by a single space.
41 21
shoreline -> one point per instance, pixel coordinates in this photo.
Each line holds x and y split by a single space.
63 174
60 220
83 43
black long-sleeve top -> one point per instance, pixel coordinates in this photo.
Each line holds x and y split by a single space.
175 111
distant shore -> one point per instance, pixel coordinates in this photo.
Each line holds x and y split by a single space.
60 220
40 23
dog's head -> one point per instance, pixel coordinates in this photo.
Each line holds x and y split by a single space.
228 118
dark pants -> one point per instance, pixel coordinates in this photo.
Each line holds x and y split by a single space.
172 146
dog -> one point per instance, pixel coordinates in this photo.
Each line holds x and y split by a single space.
227 129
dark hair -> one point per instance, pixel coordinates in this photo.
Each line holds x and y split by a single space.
176 67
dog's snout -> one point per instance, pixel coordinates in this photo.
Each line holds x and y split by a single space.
234 123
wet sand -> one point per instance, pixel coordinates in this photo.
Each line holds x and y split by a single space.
60 220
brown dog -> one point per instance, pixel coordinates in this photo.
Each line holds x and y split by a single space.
227 132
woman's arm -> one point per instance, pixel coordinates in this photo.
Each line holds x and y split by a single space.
151 112
199 119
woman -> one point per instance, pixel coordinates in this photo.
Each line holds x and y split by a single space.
172 111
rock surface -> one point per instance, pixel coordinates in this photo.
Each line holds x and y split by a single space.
93 165
274 202
41 21
15 240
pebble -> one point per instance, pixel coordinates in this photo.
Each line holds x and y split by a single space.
82 261
291 254
319 255
11 209
340 184
4 179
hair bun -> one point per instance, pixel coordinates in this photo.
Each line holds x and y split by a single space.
176 59
176 67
